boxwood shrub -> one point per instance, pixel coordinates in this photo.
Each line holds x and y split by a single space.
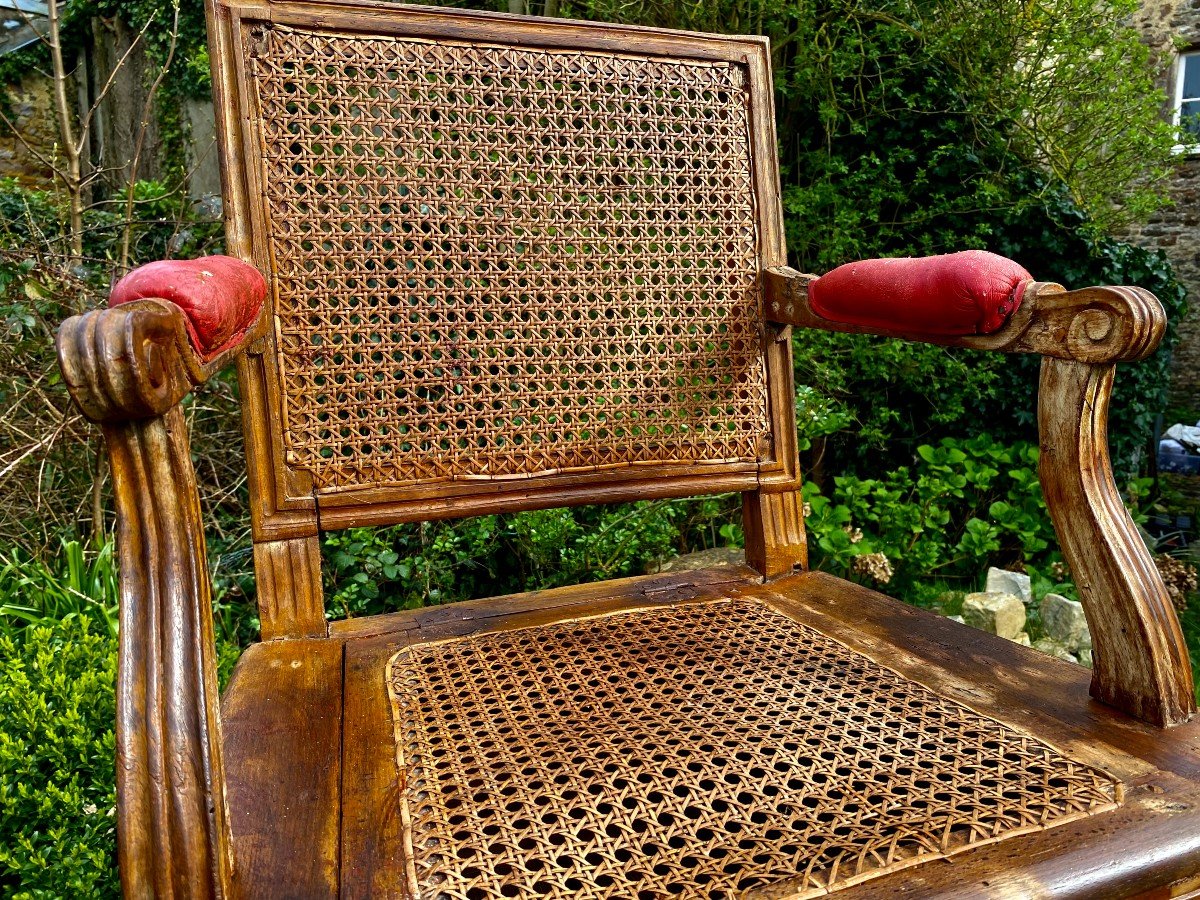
57 780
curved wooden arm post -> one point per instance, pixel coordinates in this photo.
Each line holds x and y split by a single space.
1140 660
127 368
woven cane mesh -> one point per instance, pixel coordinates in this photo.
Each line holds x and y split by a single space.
697 751
493 261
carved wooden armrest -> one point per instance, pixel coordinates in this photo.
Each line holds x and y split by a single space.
1141 664
127 367
1091 325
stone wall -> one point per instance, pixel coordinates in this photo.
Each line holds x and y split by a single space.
1175 229
112 60
35 133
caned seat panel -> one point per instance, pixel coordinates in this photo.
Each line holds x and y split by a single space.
931 759
698 750
498 261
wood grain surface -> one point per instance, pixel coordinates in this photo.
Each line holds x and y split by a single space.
300 796
127 368
1150 844
282 714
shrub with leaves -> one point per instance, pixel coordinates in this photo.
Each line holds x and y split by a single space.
57 782
961 506
878 399
374 570
58 649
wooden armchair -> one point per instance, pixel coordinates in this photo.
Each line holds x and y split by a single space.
512 264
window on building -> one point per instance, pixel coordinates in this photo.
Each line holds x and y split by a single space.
1187 97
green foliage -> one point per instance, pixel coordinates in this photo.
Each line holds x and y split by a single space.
33 223
58 656
1054 242
52 455
962 506
898 394
908 126
560 546
76 585
878 398
1189 622
57 782
374 570
818 414
1064 77
156 18
27 214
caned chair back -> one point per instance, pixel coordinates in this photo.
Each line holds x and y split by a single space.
513 262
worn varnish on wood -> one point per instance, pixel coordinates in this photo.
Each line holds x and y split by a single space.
1140 659
516 263
1032 694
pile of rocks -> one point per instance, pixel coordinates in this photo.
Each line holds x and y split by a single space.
1002 609
1067 635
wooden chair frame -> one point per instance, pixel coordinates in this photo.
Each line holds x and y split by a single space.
130 366
285 512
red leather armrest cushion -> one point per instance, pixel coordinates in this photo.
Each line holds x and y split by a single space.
220 296
972 292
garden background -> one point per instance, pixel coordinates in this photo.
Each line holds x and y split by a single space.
1032 129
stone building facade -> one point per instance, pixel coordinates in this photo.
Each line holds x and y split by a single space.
1172 28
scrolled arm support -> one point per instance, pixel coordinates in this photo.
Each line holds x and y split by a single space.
1141 664
1091 325
1140 659
134 361
172 825
127 367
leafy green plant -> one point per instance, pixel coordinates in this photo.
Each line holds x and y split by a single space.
371 570
53 457
57 779
76 584
79 583
374 570
560 546
897 395
58 648
1189 622
961 506
876 399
